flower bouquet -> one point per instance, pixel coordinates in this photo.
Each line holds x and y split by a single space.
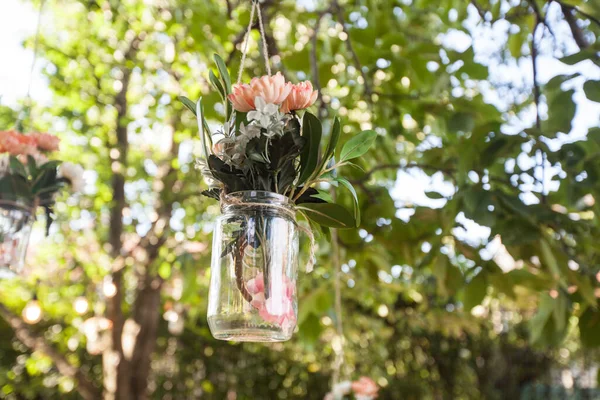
265 166
28 179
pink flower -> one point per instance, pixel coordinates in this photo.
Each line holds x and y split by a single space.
46 141
273 89
279 307
16 144
301 96
242 98
365 387
256 285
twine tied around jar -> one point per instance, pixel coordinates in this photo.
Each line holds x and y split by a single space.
290 211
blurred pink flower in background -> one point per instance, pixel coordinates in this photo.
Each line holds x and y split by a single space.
46 141
365 388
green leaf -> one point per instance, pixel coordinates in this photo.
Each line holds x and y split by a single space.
188 103
434 195
549 260
202 126
323 195
17 167
224 73
358 145
592 90
561 111
475 292
515 43
589 328
333 140
538 322
311 132
351 189
461 122
328 214
217 84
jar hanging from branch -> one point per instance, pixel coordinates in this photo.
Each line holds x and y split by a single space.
28 180
265 167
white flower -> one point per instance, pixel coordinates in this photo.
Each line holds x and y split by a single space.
250 131
264 112
209 179
74 174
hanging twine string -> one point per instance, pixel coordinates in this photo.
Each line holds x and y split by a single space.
288 210
339 340
265 52
27 103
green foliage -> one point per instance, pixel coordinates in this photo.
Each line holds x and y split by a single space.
429 102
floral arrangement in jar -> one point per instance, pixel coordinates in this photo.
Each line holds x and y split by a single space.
29 178
265 166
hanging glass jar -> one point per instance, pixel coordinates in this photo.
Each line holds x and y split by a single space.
254 269
16 221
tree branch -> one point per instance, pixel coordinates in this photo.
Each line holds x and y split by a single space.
537 94
479 9
85 387
340 16
314 66
579 11
577 32
114 311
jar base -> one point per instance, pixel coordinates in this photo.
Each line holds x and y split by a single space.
241 329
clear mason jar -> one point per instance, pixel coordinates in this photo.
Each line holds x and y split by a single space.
254 268
16 221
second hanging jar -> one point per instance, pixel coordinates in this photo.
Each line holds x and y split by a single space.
16 221
254 269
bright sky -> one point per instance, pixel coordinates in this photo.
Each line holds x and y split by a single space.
18 22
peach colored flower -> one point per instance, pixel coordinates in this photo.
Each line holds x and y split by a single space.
301 96
15 143
46 141
273 89
242 98
365 387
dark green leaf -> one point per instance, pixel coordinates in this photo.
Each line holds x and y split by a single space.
434 195
17 167
475 292
311 132
329 214
592 90
336 130
589 328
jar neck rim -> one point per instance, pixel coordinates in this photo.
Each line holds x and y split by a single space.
259 197
256 198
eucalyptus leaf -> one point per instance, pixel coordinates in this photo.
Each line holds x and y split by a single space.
224 73
188 103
